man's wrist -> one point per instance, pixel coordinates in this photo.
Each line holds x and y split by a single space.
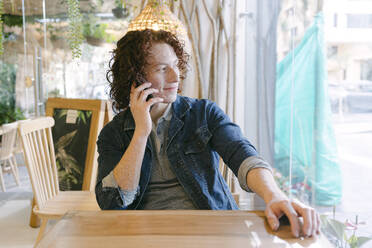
275 194
140 135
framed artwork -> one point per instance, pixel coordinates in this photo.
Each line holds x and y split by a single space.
77 126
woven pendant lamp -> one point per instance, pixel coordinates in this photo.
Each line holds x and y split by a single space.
157 16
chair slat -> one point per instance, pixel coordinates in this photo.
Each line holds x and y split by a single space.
29 159
44 165
53 159
36 169
49 165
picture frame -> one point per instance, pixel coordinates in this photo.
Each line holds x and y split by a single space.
78 123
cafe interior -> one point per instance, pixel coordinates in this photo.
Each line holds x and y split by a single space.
294 75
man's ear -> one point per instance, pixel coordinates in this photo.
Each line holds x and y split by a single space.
180 87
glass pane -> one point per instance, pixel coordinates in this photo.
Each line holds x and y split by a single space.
41 54
349 70
298 136
325 159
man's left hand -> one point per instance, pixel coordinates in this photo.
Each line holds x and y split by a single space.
293 209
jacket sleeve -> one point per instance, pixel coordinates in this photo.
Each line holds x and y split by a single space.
227 138
110 150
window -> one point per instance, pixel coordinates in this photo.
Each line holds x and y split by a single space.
335 19
366 70
359 20
346 113
332 51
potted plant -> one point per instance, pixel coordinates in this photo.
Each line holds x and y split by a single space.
121 10
94 32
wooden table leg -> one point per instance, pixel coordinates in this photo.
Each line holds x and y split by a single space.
34 220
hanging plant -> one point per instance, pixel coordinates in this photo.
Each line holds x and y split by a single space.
14 20
1 27
75 30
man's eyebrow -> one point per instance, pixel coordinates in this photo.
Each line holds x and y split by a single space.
163 63
159 64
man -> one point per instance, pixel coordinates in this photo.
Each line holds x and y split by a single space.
161 151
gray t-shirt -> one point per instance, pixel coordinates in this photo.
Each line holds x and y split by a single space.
164 191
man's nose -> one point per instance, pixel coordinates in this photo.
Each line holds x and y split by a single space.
173 75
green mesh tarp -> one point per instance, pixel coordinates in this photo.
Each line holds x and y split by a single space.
315 169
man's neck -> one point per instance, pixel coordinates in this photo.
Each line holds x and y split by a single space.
157 111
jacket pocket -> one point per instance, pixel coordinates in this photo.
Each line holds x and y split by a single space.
198 141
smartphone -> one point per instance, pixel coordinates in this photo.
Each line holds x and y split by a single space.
149 97
141 81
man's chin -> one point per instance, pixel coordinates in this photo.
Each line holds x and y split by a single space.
170 99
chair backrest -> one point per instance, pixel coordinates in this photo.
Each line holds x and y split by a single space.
18 144
38 148
9 132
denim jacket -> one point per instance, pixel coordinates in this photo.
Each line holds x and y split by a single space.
199 132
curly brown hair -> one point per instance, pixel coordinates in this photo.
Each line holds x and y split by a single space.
128 62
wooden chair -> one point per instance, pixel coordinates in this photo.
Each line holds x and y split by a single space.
228 175
51 203
9 132
18 149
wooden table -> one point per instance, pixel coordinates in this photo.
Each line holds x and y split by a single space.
174 229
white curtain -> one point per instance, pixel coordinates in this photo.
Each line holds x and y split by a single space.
256 70
233 44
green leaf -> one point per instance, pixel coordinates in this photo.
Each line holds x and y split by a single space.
337 227
82 116
362 240
333 227
352 241
65 140
62 113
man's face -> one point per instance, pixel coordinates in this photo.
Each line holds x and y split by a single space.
162 71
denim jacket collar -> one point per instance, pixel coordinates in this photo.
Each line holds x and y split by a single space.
179 108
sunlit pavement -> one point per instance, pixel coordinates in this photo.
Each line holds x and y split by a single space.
354 143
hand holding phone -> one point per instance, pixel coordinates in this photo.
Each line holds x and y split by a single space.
140 82
141 101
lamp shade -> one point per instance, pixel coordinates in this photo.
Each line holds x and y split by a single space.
157 16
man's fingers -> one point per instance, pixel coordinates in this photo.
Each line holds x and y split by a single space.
154 100
144 94
318 223
293 218
308 222
309 216
136 91
293 210
272 219
315 223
